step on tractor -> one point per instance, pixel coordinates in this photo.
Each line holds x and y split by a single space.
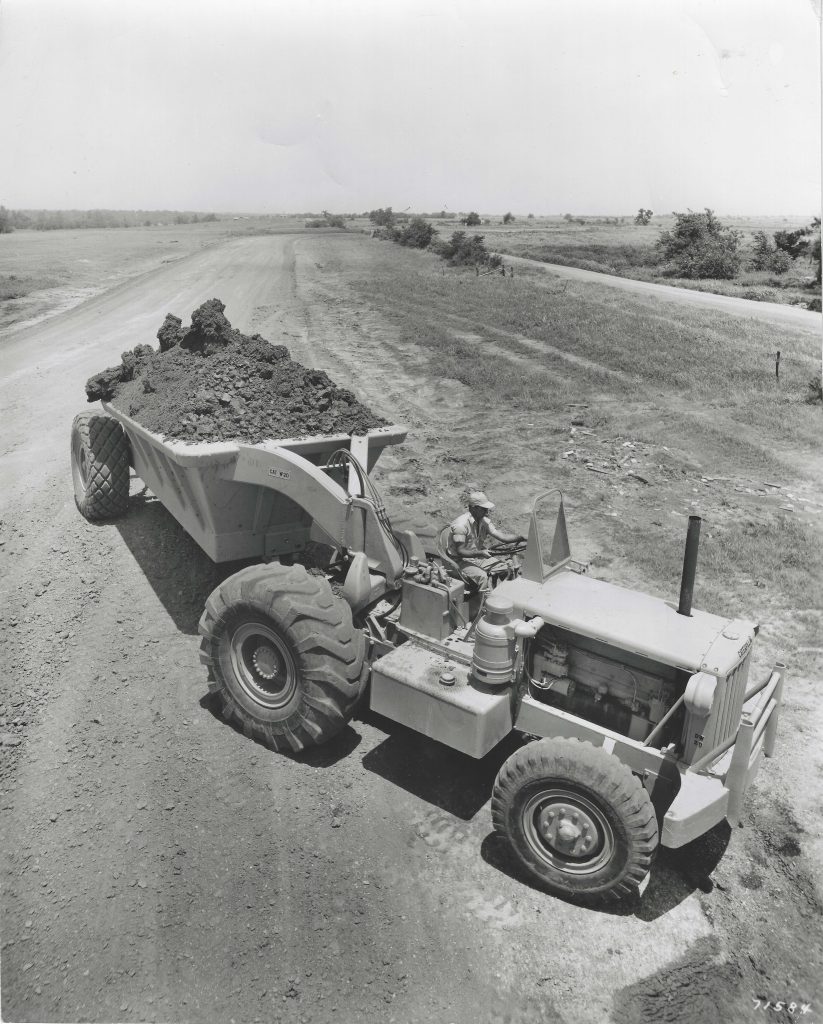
639 724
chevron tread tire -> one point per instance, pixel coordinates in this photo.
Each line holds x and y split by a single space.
611 827
100 458
283 655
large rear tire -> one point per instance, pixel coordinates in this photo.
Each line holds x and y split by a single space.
576 819
283 655
100 460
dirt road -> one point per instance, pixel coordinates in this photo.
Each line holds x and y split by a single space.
157 865
770 312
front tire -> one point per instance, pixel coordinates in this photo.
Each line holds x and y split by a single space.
284 656
100 460
576 819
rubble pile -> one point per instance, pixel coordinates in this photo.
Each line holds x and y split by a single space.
209 382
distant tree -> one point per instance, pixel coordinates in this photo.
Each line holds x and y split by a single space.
793 243
382 218
803 241
530 217
467 250
471 219
814 248
762 251
508 218
767 256
334 220
698 246
643 216
6 225
417 234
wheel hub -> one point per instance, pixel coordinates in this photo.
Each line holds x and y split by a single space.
265 662
80 468
263 665
567 829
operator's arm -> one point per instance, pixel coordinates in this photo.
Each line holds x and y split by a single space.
505 538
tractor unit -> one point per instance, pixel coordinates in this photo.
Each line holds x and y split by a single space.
640 725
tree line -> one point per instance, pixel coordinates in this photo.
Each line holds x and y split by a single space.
461 249
55 220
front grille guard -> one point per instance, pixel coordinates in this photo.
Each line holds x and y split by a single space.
755 734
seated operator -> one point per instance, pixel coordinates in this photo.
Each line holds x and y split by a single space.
468 537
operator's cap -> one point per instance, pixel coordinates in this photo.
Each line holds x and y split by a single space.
479 499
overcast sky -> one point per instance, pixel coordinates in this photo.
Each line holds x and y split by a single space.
544 106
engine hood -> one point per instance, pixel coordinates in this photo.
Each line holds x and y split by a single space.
633 621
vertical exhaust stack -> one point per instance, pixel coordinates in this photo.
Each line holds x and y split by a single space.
689 566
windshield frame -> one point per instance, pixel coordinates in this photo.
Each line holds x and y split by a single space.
534 568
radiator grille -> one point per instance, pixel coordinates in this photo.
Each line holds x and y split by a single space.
728 703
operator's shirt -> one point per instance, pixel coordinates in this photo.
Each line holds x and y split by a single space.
465 530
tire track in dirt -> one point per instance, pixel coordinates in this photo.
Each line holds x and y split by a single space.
702 966
254 903
402 380
807 463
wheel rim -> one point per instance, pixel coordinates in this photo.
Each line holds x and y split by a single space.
79 465
263 665
567 831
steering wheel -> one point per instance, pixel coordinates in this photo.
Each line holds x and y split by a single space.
513 548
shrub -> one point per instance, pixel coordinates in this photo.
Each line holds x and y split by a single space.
334 220
467 250
814 393
508 218
767 256
471 219
417 234
814 247
781 262
793 243
328 220
382 218
643 216
699 246
6 226
802 242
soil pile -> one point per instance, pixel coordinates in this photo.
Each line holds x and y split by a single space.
211 383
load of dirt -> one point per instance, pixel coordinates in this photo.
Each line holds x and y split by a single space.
211 383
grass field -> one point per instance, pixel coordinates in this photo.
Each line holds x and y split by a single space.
707 358
628 250
679 412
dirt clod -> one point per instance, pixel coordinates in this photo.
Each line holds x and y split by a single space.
213 383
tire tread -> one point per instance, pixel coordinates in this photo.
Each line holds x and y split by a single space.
329 649
601 773
106 494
